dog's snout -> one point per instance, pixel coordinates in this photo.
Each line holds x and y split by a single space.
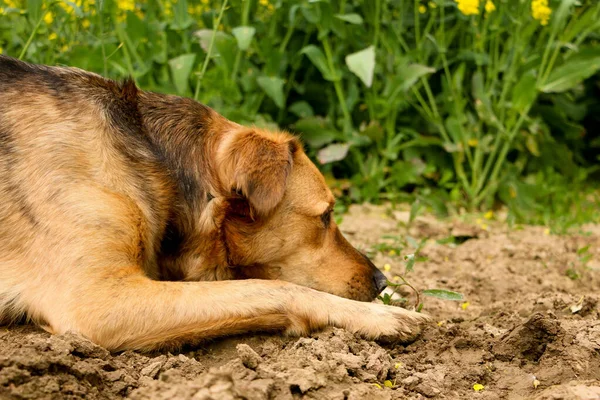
380 281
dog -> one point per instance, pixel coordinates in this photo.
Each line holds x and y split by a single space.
143 221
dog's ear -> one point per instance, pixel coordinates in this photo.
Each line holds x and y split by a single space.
257 164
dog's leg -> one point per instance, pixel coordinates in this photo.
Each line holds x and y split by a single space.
84 275
131 311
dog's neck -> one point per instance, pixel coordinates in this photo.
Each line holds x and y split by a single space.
185 135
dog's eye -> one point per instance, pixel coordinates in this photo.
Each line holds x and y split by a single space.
326 217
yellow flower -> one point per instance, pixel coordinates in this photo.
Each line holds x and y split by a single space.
1 10
468 7
478 387
205 2
264 2
473 142
1 50
49 17
126 5
540 11
52 36
65 6
489 7
387 267
489 215
195 10
422 9
85 23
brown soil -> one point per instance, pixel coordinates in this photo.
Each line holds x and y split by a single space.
526 330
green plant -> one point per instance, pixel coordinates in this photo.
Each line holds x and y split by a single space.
410 261
584 256
456 103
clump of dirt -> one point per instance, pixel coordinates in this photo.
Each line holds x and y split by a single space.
529 328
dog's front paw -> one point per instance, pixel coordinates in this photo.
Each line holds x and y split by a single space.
386 323
370 320
406 325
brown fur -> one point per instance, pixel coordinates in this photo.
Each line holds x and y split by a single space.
141 220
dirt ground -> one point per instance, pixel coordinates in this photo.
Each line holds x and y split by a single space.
528 328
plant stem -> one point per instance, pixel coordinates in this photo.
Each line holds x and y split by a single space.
130 68
502 156
238 55
209 53
288 36
417 23
406 283
377 23
337 85
28 43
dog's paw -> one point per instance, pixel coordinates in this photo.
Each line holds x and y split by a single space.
370 320
387 324
407 325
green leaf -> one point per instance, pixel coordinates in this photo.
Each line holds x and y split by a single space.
443 294
333 152
573 71
524 92
414 211
292 13
315 131
243 35
351 18
532 145
362 64
560 15
479 90
410 262
316 56
226 48
181 68
455 129
273 87
181 17
583 250
301 109
205 36
409 75
587 21
373 131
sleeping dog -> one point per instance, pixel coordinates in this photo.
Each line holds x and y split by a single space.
142 220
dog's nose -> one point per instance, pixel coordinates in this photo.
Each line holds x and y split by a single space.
380 281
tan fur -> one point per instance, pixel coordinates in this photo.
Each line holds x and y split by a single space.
141 221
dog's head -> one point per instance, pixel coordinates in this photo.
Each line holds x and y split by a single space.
279 221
